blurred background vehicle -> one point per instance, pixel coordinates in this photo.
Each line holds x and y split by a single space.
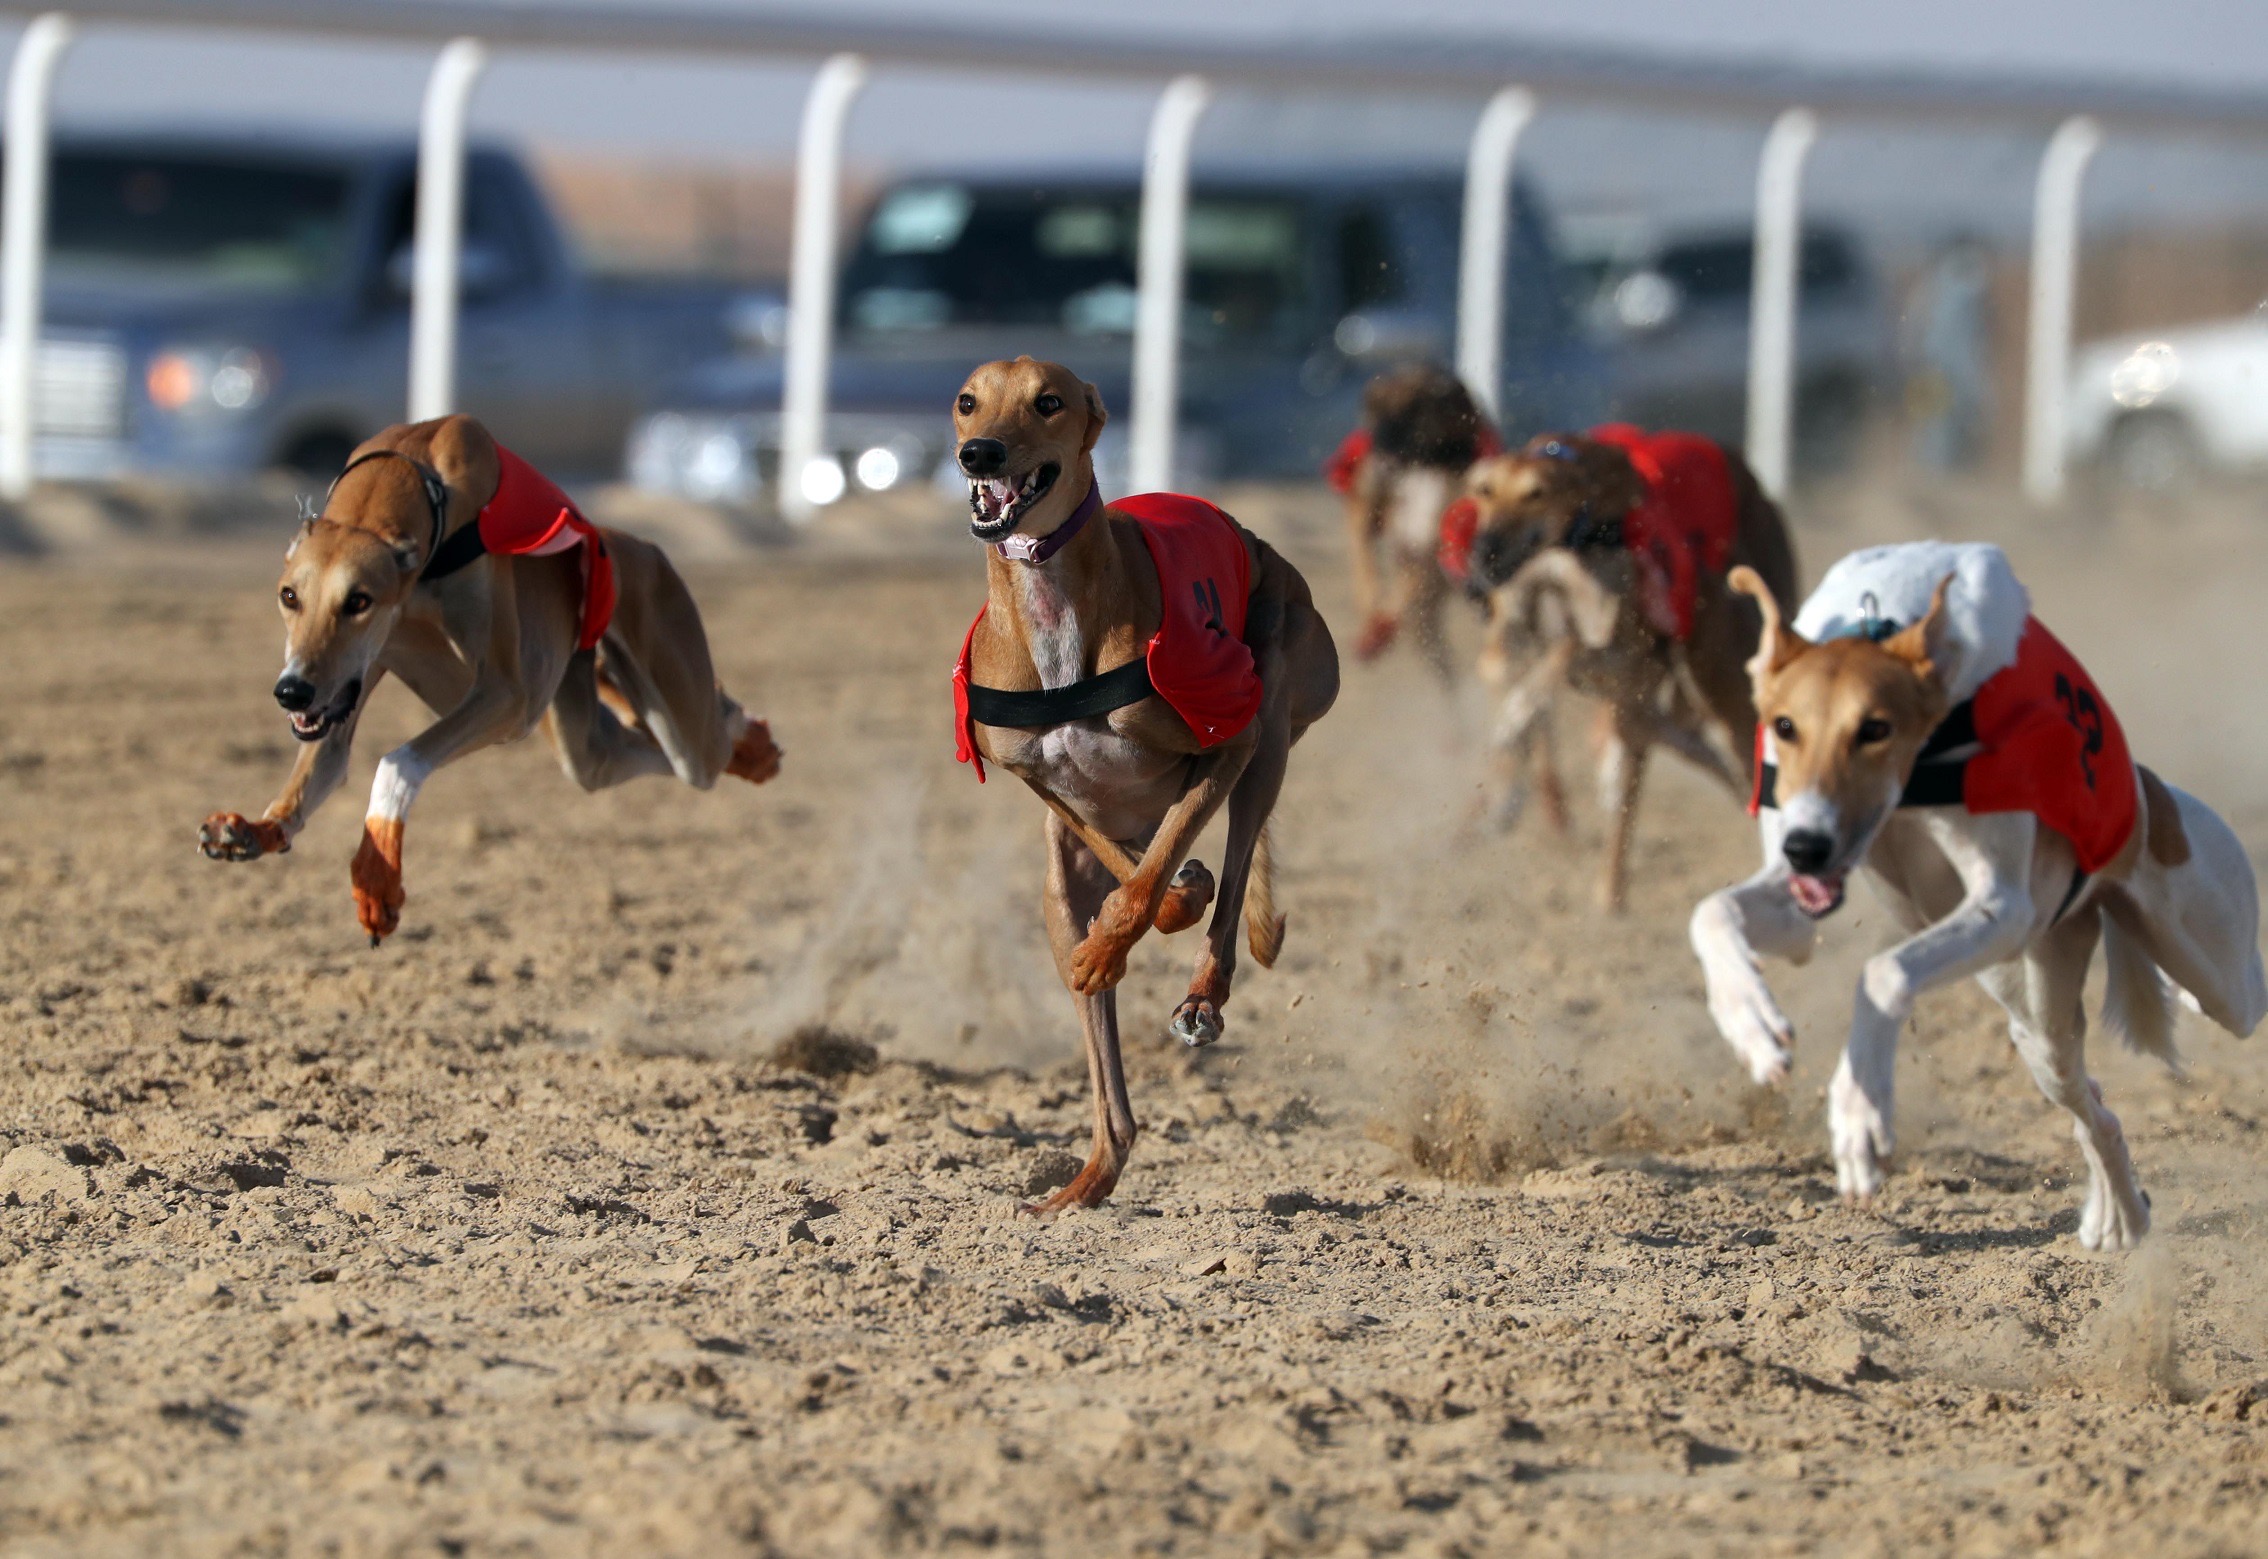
2160 409
1671 307
1299 286
217 305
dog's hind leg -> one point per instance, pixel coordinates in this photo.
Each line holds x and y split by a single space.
657 656
2047 1021
2192 903
1198 1021
1622 769
596 747
1077 884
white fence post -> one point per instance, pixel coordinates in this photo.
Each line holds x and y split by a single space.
1773 297
1482 243
435 263
1158 279
2055 276
23 244
811 281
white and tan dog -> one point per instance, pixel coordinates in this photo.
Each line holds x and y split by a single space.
1919 724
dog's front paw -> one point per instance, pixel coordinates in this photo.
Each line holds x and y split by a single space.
377 875
1754 1026
1861 1136
755 757
1379 632
231 836
1099 961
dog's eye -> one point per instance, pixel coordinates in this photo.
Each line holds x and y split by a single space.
1783 729
357 604
289 597
966 405
1873 730
1048 405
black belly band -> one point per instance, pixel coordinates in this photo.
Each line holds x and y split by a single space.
1083 700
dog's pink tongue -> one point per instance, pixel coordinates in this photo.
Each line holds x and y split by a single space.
1817 895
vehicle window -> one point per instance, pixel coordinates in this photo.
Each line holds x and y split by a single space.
1713 271
233 223
1245 272
493 232
1718 270
934 256
1828 263
1370 272
920 221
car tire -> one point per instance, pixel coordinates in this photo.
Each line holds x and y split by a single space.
318 453
2154 452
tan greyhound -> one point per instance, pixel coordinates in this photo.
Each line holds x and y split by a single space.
1078 679
410 568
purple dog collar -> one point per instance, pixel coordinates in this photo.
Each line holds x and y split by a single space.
1038 549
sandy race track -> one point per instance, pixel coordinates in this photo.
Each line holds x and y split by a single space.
523 1235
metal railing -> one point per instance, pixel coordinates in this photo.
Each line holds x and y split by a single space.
1516 78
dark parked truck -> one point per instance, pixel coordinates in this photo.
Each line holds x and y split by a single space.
1298 288
216 306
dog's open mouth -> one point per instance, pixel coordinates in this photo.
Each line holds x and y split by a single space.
997 505
312 725
1817 897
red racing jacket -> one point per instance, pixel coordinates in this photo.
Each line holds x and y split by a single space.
530 517
1197 661
1686 524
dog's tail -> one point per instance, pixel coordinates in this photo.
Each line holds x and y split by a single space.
1263 927
2138 1000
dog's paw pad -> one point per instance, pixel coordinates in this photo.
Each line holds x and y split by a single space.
1186 901
230 836
755 756
1197 1023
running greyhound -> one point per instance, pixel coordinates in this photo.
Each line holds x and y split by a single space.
1136 664
442 557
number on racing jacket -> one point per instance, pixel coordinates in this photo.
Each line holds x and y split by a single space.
2086 717
1209 604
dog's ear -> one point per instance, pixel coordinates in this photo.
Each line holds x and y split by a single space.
1778 644
1922 646
408 555
1097 416
1614 483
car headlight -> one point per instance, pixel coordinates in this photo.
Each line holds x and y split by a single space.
2146 373
706 459
208 378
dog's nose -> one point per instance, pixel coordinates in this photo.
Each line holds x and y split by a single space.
295 693
1808 850
983 456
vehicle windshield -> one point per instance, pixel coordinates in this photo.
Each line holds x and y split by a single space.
238 224
939 255
1713 270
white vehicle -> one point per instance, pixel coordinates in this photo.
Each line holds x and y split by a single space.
2160 408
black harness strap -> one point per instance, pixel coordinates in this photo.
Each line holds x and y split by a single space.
1591 531
1099 695
1083 700
459 547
